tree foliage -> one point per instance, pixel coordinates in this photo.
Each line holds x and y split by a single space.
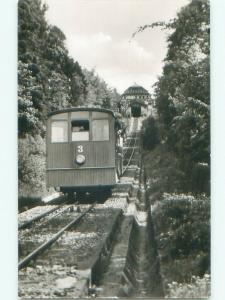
31 169
183 91
180 164
98 92
182 229
44 81
151 134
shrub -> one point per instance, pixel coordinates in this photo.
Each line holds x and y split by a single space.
197 288
31 166
162 172
201 178
150 134
182 227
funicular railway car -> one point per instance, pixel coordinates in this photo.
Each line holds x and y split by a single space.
136 110
82 151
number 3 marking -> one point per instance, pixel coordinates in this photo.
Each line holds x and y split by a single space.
80 149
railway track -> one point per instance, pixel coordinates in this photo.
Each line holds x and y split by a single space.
130 139
75 250
25 261
27 203
132 148
36 214
91 251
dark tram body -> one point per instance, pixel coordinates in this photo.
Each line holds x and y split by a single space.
135 110
82 151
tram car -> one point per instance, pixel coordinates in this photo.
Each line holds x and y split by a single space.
83 150
136 110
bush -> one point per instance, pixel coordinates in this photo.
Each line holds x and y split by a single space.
31 166
197 288
201 178
182 227
162 172
150 134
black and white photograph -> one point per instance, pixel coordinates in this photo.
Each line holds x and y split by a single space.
114 149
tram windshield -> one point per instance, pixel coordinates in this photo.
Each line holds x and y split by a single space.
80 130
59 132
100 130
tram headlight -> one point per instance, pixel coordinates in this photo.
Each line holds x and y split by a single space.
80 159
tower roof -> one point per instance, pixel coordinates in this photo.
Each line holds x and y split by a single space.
135 89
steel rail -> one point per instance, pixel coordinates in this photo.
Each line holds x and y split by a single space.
54 216
125 152
36 218
131 156
40 216
128 144
24 262
134 148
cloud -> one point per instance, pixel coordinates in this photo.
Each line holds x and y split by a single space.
105 54
98 34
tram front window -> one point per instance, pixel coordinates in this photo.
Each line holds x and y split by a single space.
59 132
80 130
100 130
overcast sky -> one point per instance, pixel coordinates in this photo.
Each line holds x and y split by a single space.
98 35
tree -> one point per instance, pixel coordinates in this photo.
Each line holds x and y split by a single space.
182 93
151 134
28 110
98 92
48 78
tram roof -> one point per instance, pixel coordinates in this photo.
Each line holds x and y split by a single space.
81 109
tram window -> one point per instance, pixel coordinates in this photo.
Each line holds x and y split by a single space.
100 130
79 115
59 132
99 115
80 130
